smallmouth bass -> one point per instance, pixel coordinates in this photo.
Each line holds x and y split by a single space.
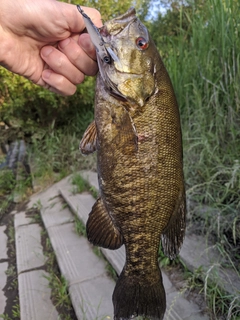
137 136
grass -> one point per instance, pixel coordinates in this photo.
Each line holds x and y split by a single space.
82 184
204 64
57 156
12 310
80 228
57 283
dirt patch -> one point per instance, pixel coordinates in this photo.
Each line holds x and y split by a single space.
11 288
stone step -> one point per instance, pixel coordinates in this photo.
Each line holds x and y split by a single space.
88 284
178 308
32 279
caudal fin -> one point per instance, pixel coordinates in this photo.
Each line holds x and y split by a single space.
133 298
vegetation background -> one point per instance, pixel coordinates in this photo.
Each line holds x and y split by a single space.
199 42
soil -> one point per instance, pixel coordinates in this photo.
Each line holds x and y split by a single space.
11 287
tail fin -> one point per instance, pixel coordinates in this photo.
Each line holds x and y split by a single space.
133 298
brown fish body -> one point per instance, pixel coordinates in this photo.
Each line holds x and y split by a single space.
139 148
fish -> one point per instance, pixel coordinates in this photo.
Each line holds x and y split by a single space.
136 133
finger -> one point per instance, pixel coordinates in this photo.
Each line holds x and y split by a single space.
57 83
60 64
81 59
86 44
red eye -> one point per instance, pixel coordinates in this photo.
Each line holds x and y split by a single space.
142 43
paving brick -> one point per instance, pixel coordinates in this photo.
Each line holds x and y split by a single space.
3 243
46 195
92 299
181 308
74 254
34 292
81 204
3 281
115 257
197 252
21 219
28 247
56 214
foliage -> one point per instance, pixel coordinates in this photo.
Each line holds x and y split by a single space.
32 111
200 46
202 57
112 8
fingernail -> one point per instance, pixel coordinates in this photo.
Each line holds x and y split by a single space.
64 43
46 51
47 74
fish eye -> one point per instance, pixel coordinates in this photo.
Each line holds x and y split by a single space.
107 59
142 43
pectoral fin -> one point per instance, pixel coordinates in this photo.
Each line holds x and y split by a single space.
126 138
101 230
173 235
89 140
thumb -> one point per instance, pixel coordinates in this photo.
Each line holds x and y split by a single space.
75 20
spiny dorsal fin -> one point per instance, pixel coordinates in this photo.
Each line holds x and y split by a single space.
89 139
101 230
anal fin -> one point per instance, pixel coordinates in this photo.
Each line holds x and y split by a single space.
173 235
89 140
101 230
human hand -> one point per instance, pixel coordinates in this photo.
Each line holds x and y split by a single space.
42 41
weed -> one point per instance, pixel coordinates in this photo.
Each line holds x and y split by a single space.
16 310
37 205
7 181
94 192
57 282
79 227
59 287
5 317
80 183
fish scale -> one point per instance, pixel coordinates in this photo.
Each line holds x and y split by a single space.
137 136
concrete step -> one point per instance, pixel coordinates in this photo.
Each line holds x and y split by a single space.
88 284
178 308
32 279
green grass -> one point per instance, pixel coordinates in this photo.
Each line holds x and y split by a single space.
82 185
56 156
80 228
204 64
57 283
